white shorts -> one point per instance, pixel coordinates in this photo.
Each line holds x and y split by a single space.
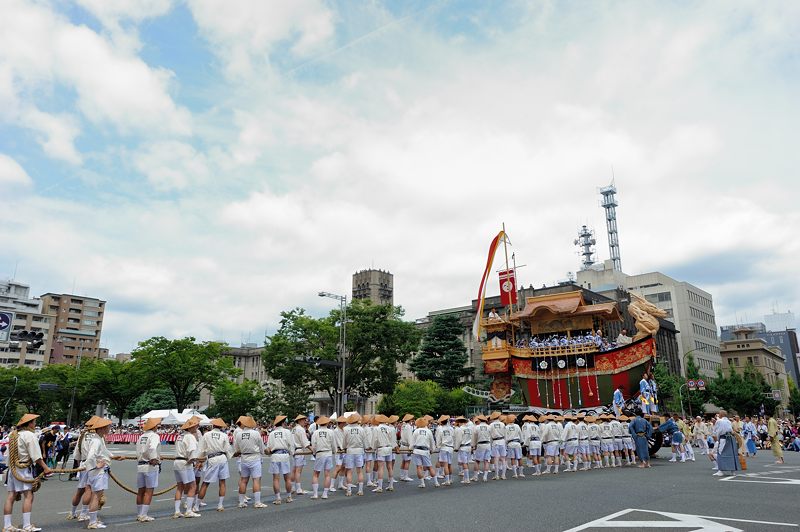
147 480
406 456
483 454
98 481
422 460
628 443
571 447
594 446
15 485
607 446
618 444
339 459
300 461
446 456
515 452
389 458
499 450
280 468
551 449
215 473
250 469
82 479
369 457
535 448
353 460
583 447
463 456
323 463
185 476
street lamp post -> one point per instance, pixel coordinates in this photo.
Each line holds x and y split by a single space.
342 348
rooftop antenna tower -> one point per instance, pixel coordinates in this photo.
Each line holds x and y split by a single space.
586 241
609 204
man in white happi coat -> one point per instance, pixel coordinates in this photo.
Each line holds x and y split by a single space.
595 445
444 442
499 449
28 454
384 442
583 442
148 465
215 448
338 438
355 444
551 442
406 430
422 445
570 439
532 435
187 450
618 432
629 451
301 444
248 446
607 441
323 444
482 445
280 446
700 434
96 463
462 444
514 445
83 494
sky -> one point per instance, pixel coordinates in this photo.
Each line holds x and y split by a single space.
203 165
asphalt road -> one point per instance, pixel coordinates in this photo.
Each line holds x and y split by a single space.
765 493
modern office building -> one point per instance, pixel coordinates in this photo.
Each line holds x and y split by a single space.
785 340
688 307
779 321
77 326
747 348
375 285
25 314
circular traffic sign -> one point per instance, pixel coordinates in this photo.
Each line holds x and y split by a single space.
691 382
5 321
701 383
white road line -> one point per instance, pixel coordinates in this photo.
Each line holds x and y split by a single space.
695 522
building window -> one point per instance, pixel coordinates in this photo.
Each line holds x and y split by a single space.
755 360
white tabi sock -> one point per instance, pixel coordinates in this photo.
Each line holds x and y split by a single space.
138 509
360 486
241 498
421 483
92 518
189 504
315 488
380 483
221 503
145 509
7 521
555 470
85 509
74 510
325 493
538 468
178 506
257 496
485 475
298 487
26 519
196 505
683 457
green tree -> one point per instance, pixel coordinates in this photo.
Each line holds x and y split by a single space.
794 398
416 397
232 400
442 357
668 385
184 366
377 339
118 384
745 394
155 399
455 402
295 400
270 406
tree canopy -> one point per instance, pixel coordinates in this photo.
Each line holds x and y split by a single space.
185 366
745 394
443 356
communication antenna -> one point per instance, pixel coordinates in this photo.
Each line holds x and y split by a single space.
609 204
586 241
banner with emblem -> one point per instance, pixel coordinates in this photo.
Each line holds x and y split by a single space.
508 287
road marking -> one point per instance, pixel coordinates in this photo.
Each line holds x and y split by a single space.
695 522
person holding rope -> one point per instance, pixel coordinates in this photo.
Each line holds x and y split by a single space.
384 441
300 443
249 447
355 441
215 448
187 451
147 468
82 494
280 446
23 454
406 430
96 464
322 446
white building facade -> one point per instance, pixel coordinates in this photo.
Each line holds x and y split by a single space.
15 299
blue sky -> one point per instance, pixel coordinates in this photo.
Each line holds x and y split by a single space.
203 165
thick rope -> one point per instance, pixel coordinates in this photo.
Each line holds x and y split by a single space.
119 483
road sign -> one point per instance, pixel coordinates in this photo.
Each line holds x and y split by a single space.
691 384
701 384
776 394
6 320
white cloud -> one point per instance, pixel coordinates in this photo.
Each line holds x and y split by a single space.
120 17
243 33
12 174
59 132
171 165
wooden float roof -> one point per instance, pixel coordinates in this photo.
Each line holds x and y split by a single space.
565 305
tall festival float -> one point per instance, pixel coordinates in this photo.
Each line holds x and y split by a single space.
578 376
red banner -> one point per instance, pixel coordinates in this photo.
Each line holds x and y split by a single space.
508 288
